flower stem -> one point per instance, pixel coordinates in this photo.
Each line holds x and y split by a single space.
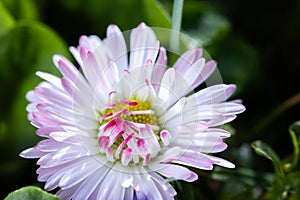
294 100
176 24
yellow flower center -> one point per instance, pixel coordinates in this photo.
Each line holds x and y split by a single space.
130 132
137 117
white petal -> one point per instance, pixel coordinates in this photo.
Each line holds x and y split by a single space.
210 141
150 138
91 184
111 73
207 70
159 69
64 155
145 187
174 113
212 111
177 172
94 65
32 153
222 120
76 55
164 186
192 73
69 71
111 186
78 174
54 80
42 120
187 59
53 96
167 85
63 136
169 155
143 46
44 132
83 103
50 145
194 159
129 192
115 42
222 162
67 194
31 97
90 43
210 95
193 127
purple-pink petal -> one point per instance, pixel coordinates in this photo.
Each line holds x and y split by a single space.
177 172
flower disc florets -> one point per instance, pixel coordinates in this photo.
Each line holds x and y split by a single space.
127 127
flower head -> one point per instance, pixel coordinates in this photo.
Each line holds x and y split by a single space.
116 129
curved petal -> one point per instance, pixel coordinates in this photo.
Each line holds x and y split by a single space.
221 162
211 95
32 153
187 59
91 184
159 69
194 159
207 70
177 172
115 42
143 46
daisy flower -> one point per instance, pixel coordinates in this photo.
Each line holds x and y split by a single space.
125 123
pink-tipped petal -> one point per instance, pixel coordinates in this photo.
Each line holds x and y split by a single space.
103 143
130 103
116 44
147 159
143 46
54 80
122 145
141 144
165 137
207 70
194 159
178 172
159 69
187 59
126 156
109 154
106 116
222 162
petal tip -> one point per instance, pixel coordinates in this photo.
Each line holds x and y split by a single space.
142 25
193 177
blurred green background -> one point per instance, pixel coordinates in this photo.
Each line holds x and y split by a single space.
256 44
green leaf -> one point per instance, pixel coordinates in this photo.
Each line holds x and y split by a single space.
21 9
245 176
155 14
293 186
30 193
211 27
266 151
6 20
294 130
26 48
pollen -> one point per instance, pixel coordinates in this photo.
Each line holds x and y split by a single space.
138 112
